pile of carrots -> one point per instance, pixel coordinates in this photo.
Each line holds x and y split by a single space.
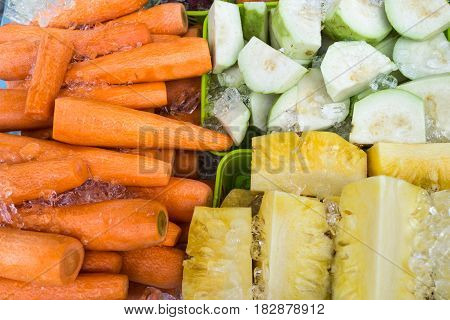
87 102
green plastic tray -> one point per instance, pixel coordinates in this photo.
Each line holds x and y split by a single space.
205 77
233 172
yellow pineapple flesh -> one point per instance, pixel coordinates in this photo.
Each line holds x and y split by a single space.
316 164
295 248
425 165
220 265
382 241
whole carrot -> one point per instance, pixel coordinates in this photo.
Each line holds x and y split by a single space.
170 18
52 60
12 111
16 59
161 267
137 96
85 287
40 258
101 262
180 197
166 155
93 123
83 12
34 179
110 166
116 225
45 134
90 43
173 235
186 164
163 37
163 61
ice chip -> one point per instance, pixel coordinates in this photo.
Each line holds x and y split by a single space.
42 11
384 81
377 3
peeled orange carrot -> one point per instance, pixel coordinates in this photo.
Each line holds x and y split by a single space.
40 258
83 12
170 18
34 179
18 84
16 59
186 164
45 134
161 267
101 262
194 31
52 60
93 123
116 225
12 111
163 37
137 96
85 287
180 197
110 166
173 235
162 61
90 43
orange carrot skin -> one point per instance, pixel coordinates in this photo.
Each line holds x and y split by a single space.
101 262
52 60
116 225
161 267
91 12
40 258
45 134
18 84
180 197
173 235
137 96
194 31
99 41
16 59
88 123
170 18
34 179
115 167
163 61
164 37
186 164
85 287
12 111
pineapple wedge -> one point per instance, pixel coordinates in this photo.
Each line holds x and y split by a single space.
381 245
220 267
316 164
425 165
296 251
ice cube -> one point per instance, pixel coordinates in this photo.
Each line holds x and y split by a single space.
377 3
384 81
42 11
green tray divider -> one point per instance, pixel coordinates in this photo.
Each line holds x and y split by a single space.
233 172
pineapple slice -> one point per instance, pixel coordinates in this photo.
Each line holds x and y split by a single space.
381 247
316 164
425 165
220 267
296 251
